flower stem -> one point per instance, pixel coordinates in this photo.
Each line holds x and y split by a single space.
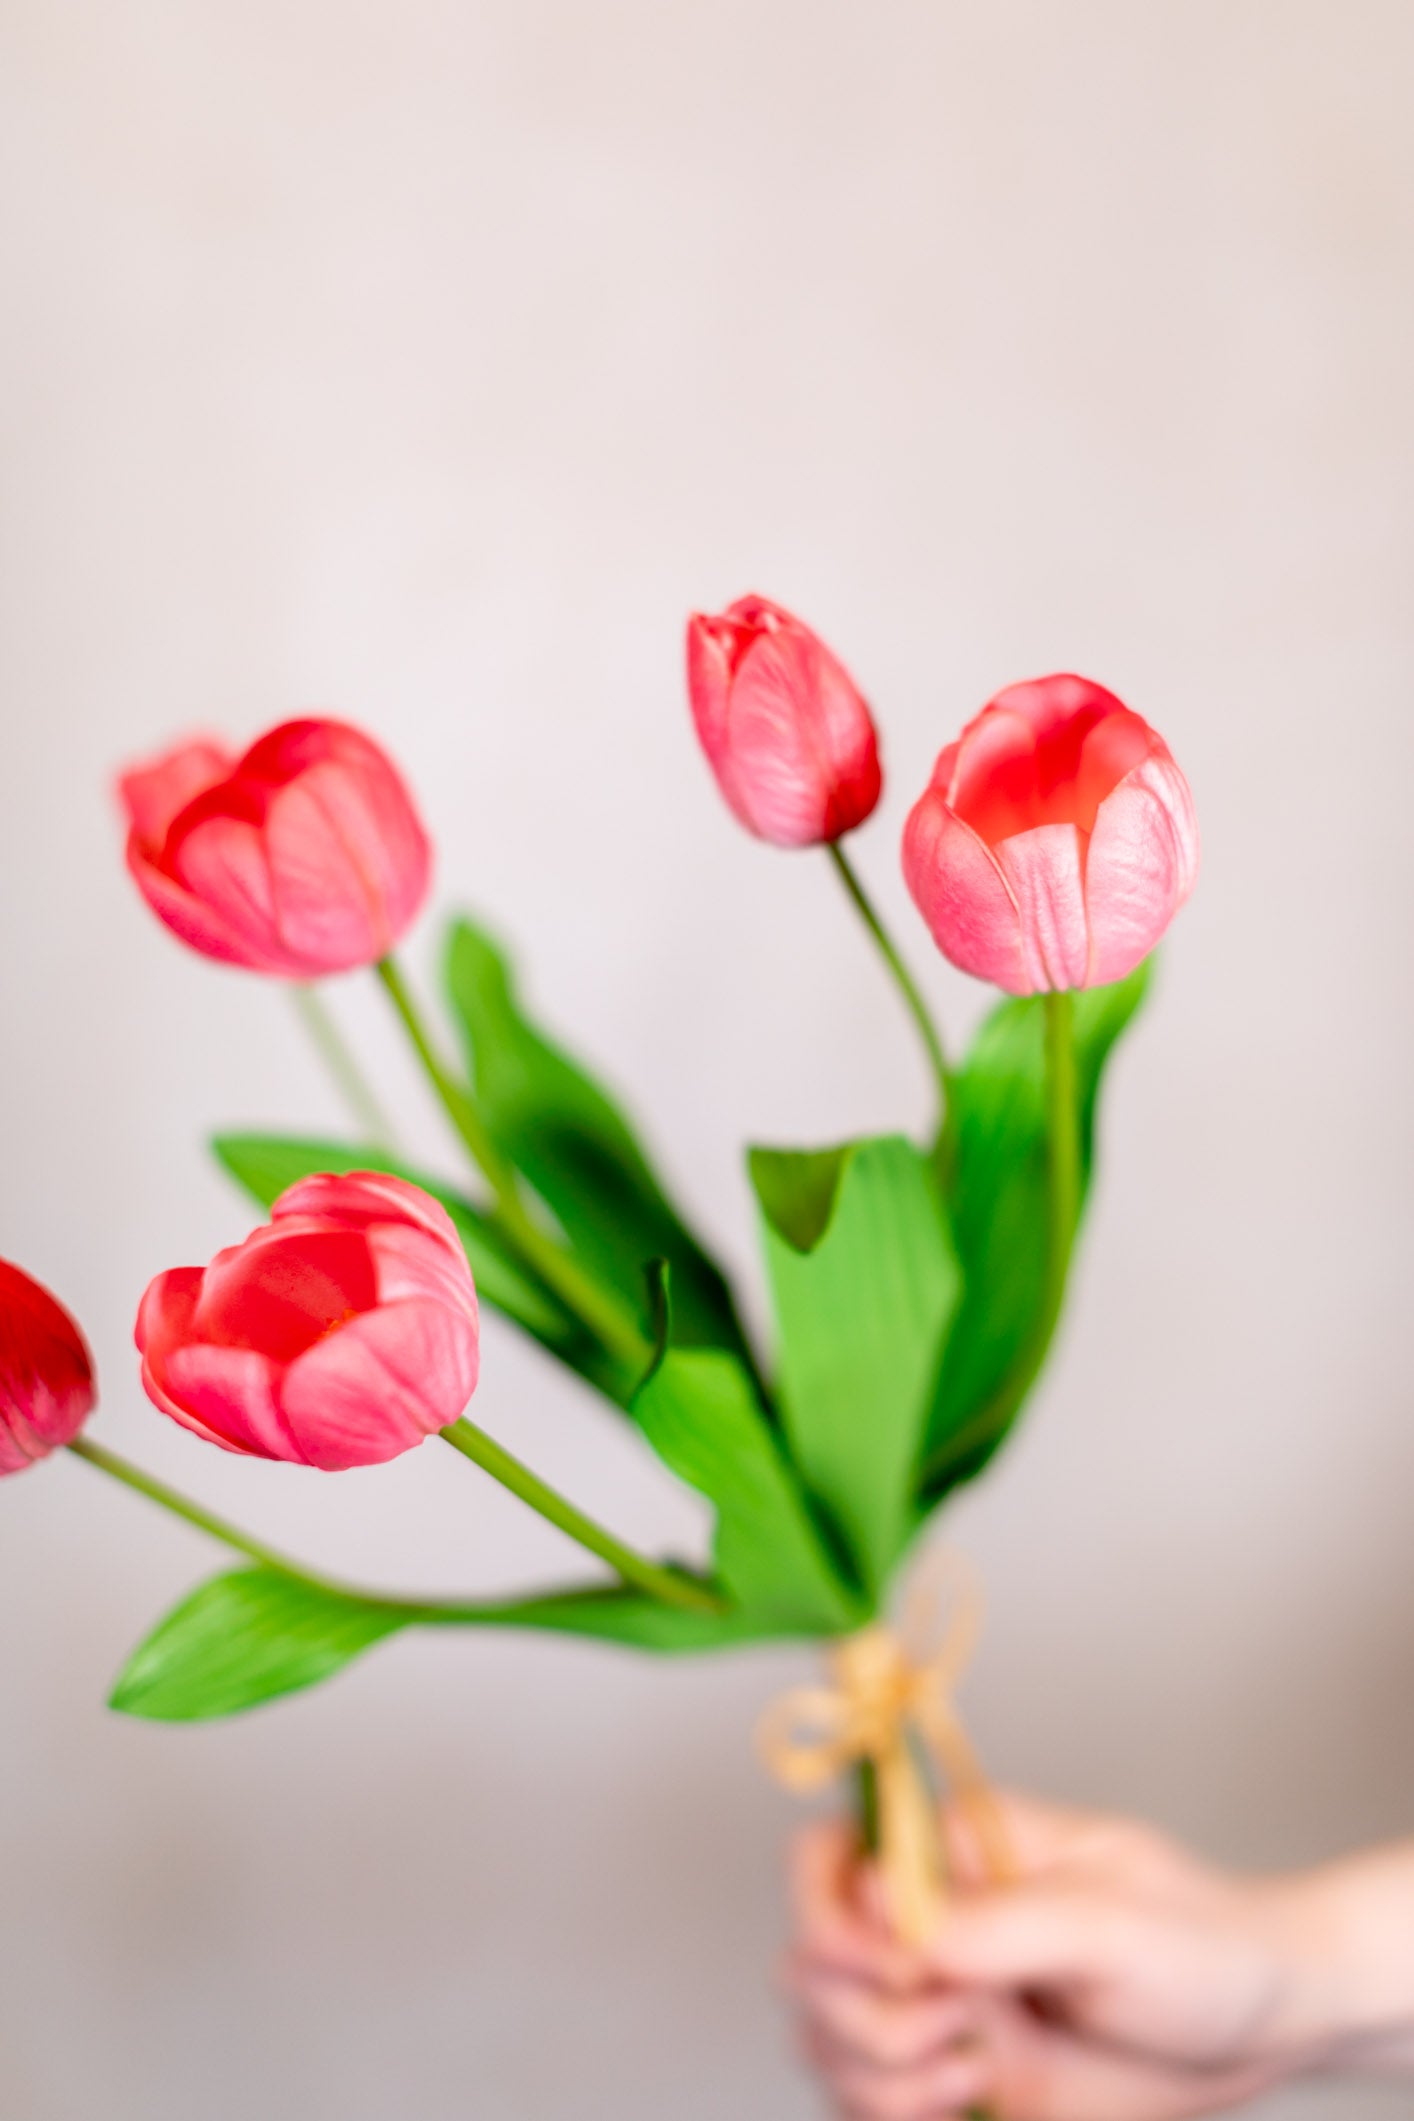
1062 1160
903 978
601 1313
634 1568
353 1086
181 1506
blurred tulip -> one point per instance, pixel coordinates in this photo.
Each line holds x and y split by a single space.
339 1334
304 856
1056 842
46 1374
785 729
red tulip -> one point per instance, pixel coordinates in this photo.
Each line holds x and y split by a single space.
1056 842
302 857
339 1334
46 1374
785 728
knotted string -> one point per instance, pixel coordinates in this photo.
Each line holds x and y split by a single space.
891 1697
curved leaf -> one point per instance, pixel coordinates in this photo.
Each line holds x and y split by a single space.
997 1197
245 1638
564 1133
862 1309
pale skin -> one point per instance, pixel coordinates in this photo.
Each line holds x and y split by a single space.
1115 1978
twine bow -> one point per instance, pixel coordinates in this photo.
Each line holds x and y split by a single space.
890 1700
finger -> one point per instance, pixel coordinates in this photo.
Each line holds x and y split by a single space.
934 2089
1034 1937
1041 2072
878 2030
1039 1836
820 1860
838 1919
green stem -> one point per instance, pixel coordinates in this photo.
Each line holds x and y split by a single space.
192 1513
352 1084
599 1311
1062 1159
1062 1095
634 1568
903 978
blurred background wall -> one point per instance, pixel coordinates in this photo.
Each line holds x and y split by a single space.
429 362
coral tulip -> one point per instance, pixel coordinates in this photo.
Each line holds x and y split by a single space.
341 1333
785 728
302 857
46 1374
1056 841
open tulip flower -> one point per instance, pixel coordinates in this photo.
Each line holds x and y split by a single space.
341 1334
785 728
302 857
46 1374
1056 841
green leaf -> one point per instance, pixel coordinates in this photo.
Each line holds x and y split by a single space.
563 1132
265 1164
620 1615
254 1634
245 1638
700 1414
998 1200
797 1189
862 1315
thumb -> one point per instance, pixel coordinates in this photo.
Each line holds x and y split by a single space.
1033 1936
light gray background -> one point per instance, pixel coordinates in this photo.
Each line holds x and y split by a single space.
429 361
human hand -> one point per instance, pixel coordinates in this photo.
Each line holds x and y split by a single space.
1118 1979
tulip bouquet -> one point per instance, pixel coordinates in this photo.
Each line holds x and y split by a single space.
915 1285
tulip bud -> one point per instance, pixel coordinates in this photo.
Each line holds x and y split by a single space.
341 1333
1056 841
785 728
305 856
46 1374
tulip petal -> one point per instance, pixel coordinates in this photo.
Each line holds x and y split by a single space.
228 1396
152 796
222 862
1045 872
46 1372
196 924
348 856
773 775
355 1199
285 1287
962 894
165 1314
380 1384
329 912
1142 864
408 1262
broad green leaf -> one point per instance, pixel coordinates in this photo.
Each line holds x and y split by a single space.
700 1414
560 1128
797 1189
265 1164
244 1638
255 1634
862 1315
999 1212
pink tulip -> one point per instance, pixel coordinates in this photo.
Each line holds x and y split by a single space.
46 1374
341 1333
785 728
302 857
1056 841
